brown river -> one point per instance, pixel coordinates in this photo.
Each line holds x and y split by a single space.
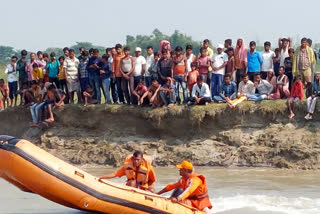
232 191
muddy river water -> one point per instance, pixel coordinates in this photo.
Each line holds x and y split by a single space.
232 191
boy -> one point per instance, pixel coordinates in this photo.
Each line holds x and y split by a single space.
192 76
267 58
230 68
5 94
55 98
153 68
105 76
295 95
37 72
167 93
62 78
276 61
288 66
228 92
12 80
203 64
139 92
88 96
153 94
84 78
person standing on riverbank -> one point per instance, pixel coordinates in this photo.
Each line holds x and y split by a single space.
139 171
254 61
240 60
12 77
179 69
267 60
127 66
303 60
191 189
71 66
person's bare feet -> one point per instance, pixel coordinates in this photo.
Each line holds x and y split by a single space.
32 124
49 120
291 116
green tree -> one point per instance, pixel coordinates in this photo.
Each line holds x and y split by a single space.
5 53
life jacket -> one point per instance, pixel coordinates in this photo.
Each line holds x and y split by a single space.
141 174
200 197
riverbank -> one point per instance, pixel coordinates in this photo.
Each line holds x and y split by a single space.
252 135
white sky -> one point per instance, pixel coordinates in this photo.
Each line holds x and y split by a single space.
38 24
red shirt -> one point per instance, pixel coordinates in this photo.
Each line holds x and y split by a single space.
297 90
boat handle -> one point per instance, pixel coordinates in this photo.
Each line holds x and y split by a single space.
148 198
79 174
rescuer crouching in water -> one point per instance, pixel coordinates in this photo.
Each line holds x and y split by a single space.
191 189
139 171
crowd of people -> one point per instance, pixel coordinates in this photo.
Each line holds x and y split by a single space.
166 77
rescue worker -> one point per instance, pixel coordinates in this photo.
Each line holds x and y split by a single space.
191 189
139 171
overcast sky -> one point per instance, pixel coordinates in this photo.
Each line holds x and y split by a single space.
36 25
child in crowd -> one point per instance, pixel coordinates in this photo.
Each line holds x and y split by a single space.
84 76
167 93
139 91
288 66
276 62
62 79
192 76
37 72
228 92
105 77
230 68
88 96
54 98
31 96
295 95
4 90
153 70
153 94
203 64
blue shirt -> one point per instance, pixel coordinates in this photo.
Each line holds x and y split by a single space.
106 69
93 71
229 90
254 61
53 69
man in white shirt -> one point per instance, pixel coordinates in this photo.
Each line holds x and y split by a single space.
149 62
200 93
267 60
12 80
138 72
263 87
218 63
71 66
246 87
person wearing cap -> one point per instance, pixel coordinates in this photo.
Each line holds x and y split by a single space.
218 64
191 188
138 170
138 73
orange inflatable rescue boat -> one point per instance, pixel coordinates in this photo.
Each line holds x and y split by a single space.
34 170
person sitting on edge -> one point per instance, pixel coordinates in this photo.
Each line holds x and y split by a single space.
37 72
283 84
272 79
200 93
4 90
228 92
191 189
312 100
264 89
295 95
54 98
88 96
246 87
153 94
139 171
167 93
139 92
192 76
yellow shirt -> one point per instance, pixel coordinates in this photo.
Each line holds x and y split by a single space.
37 74
61 75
